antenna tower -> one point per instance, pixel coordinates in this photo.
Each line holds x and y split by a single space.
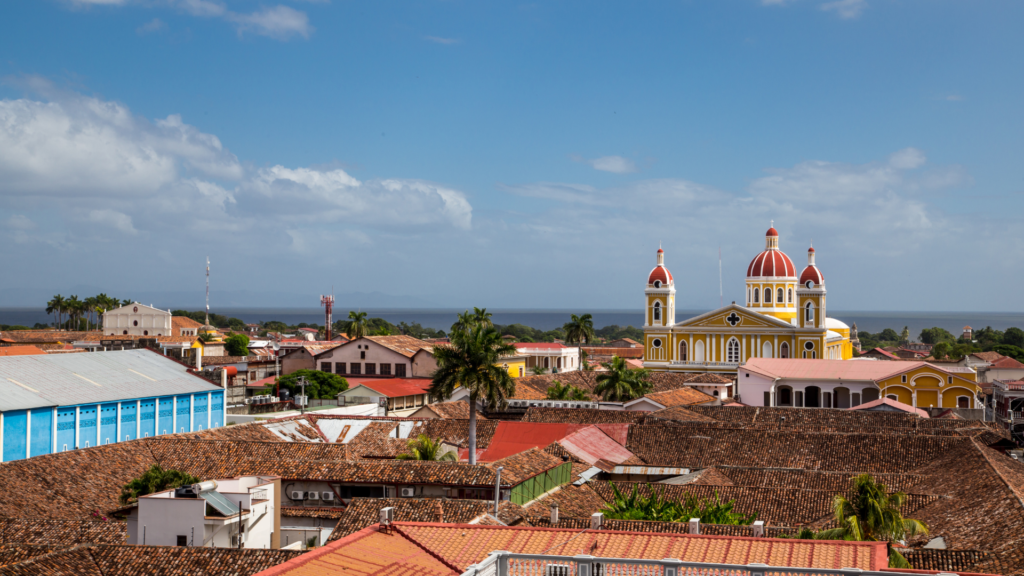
207 290
328 303
721 302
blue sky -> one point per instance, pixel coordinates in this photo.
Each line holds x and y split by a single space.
513 155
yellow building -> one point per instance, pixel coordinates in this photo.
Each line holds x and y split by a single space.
783 317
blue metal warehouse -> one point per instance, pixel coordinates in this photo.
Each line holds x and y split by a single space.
57 402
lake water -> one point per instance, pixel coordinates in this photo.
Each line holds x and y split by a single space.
549 319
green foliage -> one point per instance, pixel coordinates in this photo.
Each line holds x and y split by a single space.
423 448
482 317
988 337
615 332
538 370
473 362
941 350
1012 351
204 337
936 335
1013 337
804 533
5 327
872 514
559 391
579 329
620 383
237 345
524 333
156 479
236 324
356 326
275 326
311 542
318 384
656 508
417 331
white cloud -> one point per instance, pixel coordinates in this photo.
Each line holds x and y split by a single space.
112 219
279 22
955 98
153 25
98 2
907 159
20 222
846 9
440 40
613 164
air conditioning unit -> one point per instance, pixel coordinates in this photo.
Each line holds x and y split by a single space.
313 496
408 492
328 497
248 400
298 495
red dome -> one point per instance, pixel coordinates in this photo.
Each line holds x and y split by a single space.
811 249
660 273
772 232
771 263
813 274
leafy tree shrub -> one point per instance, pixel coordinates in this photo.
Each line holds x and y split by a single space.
655 507
154 480
318 384
237 345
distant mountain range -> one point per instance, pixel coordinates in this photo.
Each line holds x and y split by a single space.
13 297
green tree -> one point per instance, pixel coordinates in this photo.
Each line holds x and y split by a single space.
940 350
559 391
1013 337
204 337
318 384
655 507
464 323
1011 351
905 335
620 383
872 514
237 345
579 330
936 335
889 335
988 337
356 325
423 448
538 370
154 480
803 533
472 361
56 307
482 316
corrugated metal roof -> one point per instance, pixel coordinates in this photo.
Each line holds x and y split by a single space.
70 379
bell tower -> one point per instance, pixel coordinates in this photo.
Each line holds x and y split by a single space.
659 312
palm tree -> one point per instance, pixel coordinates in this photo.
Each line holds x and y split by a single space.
356 325
74 306
55 306
472 360
559 391
620 383
584 363
91 304
872 514
579 330
538 370
482 316
423 448
465 322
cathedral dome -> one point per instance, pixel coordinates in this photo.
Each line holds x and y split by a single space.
811 273
772 263
660 274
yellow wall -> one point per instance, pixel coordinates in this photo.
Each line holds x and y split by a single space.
514 367
929 383
786 288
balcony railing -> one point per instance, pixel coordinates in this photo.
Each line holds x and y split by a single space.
509 564
707 364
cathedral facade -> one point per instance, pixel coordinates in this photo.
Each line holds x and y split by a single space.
783 317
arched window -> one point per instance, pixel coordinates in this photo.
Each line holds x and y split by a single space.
657 310
766 350
784 350
732 350
767 295
698 351
809 351
784 396
682 352
657 283
748 295
756 293
790 295
779 297
809 314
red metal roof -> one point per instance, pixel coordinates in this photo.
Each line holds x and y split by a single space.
543 345
398 387
771 263
813 274
660 273
591 444
515 437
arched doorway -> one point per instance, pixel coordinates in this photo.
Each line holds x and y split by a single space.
812 397
784 396
766 350
682 352
698 351
842 397
869 395
784 350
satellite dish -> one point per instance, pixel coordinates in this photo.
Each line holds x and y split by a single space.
277 346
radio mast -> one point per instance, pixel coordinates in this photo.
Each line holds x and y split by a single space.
721 302
328 303
207 290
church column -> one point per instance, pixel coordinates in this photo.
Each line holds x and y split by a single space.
743 347
775 351
689 350
757 346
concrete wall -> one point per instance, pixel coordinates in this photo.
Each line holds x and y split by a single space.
297 360
58 429
361 353
139 320
164 519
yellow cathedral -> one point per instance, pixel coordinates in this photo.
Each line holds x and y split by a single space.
783 317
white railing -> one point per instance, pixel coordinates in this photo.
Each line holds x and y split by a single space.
508 564
709 364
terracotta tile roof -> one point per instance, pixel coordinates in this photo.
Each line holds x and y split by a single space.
462 546
682 414
680 397
47 336
179 322
521 467
363 512
42 531
957 561
515 437
800 478
894 404
332 513
456 409
365 553
708 378
20 350
584 416
627 352
535 387
15 553
1007 363
405 345
577 501
988 356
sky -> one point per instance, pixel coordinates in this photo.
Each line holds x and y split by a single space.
511 155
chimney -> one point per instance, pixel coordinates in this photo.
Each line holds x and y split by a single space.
439 512
596 521
758 529
554 513
694 525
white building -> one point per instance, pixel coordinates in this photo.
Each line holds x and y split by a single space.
214 514
138 320
554 356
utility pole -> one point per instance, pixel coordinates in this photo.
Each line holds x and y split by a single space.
207 290
497 491
302 399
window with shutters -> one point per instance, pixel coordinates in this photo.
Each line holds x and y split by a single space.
400 370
